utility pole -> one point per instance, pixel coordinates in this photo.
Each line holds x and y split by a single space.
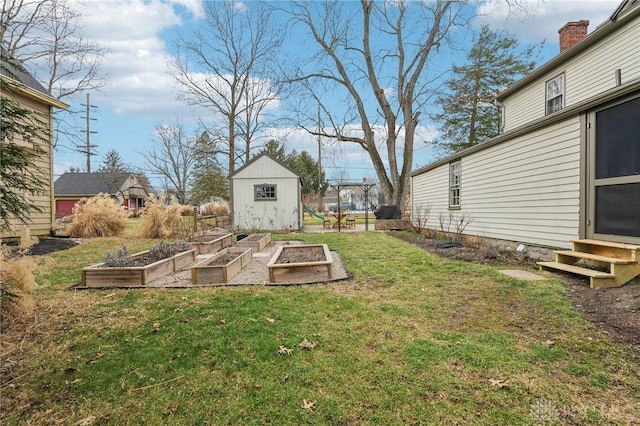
87 149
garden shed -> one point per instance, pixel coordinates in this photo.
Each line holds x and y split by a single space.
266 194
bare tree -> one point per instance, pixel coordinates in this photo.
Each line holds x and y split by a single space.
46 36
173 158
376 57
224 68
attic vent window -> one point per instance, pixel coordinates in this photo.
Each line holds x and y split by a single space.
555 94
265 192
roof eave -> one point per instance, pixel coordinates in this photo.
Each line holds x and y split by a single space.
35 94
602 31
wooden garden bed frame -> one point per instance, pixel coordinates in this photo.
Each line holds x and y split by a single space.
205 273
215 245
99 275
301 271
256 244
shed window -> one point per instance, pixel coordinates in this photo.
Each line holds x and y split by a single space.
455 179
555 94
265 192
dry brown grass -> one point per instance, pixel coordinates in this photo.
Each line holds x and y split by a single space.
98 216
158 221
16 284
214 209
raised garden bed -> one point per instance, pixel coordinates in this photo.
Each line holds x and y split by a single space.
211 243
100 275
222 266
255 241
300 263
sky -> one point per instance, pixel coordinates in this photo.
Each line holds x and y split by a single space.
139 92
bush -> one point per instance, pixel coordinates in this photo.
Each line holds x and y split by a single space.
160 222
98 216
16 284
215 209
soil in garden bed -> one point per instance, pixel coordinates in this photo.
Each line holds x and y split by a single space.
224 259
302 255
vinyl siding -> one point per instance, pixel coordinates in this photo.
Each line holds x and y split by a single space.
40 223
284 213
586 75
524 190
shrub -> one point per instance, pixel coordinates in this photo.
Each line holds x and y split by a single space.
121 259
215 209
98 216
16 284
160 222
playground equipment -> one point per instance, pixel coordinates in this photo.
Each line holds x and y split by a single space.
312 212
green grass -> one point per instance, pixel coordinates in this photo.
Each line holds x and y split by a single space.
412 338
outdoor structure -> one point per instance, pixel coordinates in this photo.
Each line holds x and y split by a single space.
568 163
129 189
23 88
266 194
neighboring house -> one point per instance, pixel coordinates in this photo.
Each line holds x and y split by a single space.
266 194
568 163
22 87
129 189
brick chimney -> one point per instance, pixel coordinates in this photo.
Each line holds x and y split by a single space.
571 33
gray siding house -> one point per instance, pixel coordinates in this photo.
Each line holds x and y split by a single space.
568 163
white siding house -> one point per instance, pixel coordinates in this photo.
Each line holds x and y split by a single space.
266 195
566 172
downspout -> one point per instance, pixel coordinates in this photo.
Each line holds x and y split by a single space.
52 202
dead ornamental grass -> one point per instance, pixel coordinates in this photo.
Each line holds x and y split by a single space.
98 216
158 221
16 285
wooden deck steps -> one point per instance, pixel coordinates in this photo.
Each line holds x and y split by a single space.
621 262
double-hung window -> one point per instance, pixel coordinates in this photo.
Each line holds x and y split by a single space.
554 94
455 179
265 192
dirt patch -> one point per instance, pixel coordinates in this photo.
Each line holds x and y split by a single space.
615 311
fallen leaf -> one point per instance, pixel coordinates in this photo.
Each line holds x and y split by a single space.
156 326
223 321
548 342
308 405
284 350
87 421
498 383
271 320
305 344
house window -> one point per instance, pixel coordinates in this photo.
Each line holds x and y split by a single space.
555 94
264 192
455 178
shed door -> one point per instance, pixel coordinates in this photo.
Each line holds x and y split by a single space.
614 189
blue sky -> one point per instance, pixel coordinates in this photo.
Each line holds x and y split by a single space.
139 92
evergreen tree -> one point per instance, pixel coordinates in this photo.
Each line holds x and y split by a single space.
468 115
22 132
112 163
208 179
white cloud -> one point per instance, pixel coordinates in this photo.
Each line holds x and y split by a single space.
538 20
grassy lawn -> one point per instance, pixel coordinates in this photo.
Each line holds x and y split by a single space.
411 339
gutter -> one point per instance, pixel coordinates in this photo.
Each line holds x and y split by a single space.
602 31
594 101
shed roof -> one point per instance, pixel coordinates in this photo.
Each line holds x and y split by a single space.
258 157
